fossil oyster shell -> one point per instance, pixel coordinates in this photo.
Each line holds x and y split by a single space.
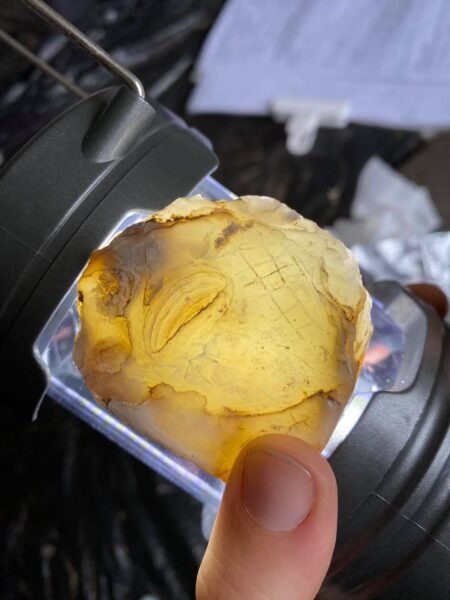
211 323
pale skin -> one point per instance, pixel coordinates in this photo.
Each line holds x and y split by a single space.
247 561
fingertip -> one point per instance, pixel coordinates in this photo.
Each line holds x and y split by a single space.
432 295
304 454
276 528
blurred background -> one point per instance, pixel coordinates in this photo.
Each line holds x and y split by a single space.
78 517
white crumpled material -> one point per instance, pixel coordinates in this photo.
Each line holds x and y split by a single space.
387 205
416 260
391 229
425 259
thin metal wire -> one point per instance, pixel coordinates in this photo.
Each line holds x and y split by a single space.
79 38
17 46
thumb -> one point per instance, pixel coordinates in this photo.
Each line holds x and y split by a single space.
276 528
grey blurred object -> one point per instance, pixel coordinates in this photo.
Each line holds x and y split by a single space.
388 60
303 118
386 205
390 229
419 259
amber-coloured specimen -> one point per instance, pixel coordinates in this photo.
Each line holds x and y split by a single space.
211 323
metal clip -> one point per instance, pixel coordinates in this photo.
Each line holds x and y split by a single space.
78 37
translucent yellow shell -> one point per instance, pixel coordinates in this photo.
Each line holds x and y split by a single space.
211 323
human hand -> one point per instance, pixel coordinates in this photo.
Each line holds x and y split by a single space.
276 528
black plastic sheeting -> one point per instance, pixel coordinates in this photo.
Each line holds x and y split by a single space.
80 519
